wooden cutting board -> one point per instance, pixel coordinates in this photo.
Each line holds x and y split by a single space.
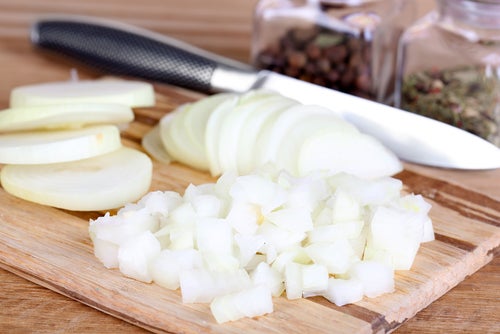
51 247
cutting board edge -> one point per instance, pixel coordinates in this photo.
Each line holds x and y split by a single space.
389 326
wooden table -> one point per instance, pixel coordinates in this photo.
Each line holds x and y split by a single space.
224 27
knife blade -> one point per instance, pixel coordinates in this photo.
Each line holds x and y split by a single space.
121 49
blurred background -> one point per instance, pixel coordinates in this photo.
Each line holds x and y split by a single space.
223 27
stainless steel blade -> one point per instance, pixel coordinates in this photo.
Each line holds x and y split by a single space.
411 137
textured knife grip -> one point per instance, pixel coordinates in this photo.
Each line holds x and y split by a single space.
122 52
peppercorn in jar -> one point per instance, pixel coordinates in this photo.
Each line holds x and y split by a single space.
449 66
345 45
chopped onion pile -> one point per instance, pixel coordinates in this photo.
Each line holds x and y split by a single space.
240 241
62 147
238 133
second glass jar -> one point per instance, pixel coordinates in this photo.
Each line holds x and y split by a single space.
449 66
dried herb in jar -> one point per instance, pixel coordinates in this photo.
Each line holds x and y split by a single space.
322 56
464 97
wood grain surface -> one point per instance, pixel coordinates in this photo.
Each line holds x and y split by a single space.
223 27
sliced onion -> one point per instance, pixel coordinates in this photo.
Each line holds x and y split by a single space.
176 142
307 123
231 126
43 147
357 154
129 93
101 183
153 145
212 133
254 124
270 139
196 118
63 116
190 152
246 132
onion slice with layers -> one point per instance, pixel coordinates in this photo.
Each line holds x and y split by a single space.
151 142
45 147
130 93
100 183
60 116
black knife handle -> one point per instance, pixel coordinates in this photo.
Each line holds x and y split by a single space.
123 52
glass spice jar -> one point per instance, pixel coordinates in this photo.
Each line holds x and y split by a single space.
449 66
346 45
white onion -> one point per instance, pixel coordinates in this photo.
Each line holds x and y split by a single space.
250 302
60 116
153 145
240 241
136 254
166 268
129 93
84 185
377 278
241 133
47 147
342 291
202 285
63 147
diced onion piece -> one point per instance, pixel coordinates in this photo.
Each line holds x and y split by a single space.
342 291
428 234
395 236
119 228
129 93
344 207
331 232
153 145
270 277
293 280
250 302
337 256
368 192
136 255
314 278
203 285
106 252
377 278
101 183
43 147
63 116
210 229
166 268
291 219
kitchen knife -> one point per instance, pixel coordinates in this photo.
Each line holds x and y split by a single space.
121 49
